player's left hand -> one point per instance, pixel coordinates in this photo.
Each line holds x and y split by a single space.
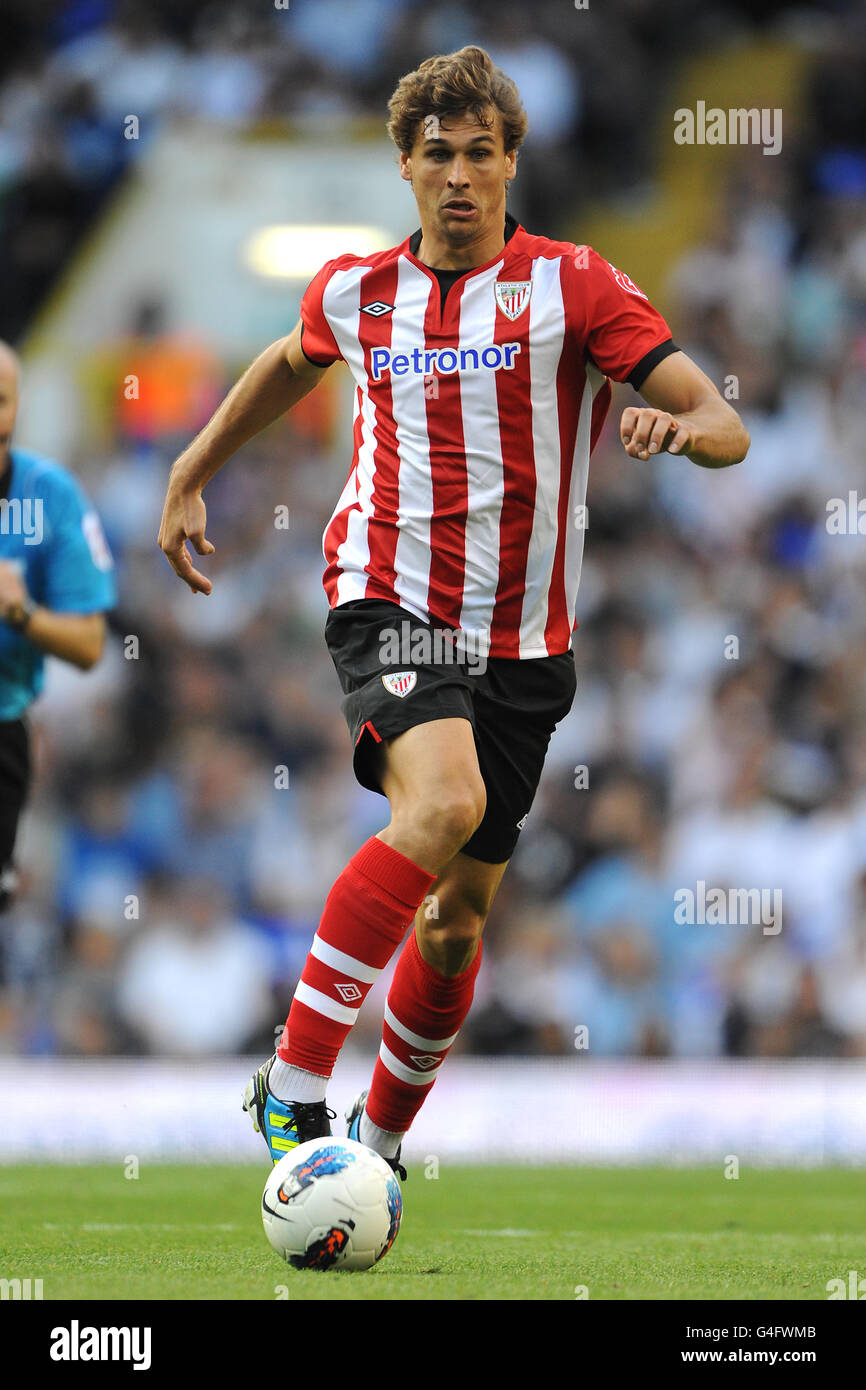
645 432
13 590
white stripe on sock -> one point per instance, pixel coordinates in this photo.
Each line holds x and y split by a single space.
314 999
430 1044
402 1072
346 965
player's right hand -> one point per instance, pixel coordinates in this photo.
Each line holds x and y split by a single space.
184 518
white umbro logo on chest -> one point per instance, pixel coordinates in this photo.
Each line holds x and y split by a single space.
377 308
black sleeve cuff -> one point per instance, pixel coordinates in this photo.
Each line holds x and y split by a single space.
639 374
310 359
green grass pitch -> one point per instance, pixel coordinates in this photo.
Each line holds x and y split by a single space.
185 1232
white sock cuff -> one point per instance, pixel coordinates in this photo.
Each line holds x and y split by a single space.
289 1083
384 1141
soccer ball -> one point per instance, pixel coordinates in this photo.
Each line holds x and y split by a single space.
332 1203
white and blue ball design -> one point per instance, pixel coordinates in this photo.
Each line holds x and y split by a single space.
332 1204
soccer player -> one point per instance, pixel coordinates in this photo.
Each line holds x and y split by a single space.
481 356
56 584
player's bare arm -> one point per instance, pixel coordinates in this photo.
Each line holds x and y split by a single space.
685 414
280 377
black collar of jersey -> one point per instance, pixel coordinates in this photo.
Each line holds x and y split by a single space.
511 226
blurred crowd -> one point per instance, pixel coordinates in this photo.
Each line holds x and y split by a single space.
194 798
86 86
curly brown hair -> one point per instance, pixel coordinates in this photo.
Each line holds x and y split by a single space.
449 85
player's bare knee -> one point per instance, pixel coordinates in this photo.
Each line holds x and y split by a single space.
458 935
459 814
441 818
451 944
462 901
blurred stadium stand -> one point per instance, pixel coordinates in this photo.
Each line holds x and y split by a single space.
156 774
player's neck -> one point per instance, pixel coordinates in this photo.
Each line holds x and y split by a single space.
439 253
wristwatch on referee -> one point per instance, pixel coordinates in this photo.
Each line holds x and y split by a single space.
18 615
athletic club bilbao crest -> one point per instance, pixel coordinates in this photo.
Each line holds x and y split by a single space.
400 682
512 296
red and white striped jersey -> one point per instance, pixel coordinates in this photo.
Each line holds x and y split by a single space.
473 427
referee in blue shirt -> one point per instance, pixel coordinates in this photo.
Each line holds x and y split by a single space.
56 584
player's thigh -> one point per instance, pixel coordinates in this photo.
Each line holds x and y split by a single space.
409 710
435 765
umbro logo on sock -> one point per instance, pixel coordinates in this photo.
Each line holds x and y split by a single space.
425 1062
348 993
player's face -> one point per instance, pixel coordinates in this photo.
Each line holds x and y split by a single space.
458 176
8 402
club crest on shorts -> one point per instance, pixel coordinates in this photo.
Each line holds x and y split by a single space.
512 296
400 682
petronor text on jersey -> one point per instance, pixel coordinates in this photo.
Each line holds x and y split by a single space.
445 360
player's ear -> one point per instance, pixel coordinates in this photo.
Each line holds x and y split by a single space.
510 165
405 167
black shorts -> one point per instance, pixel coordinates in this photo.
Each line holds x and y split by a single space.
14 786
513 707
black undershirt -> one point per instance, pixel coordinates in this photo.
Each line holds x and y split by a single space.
448 278
6 477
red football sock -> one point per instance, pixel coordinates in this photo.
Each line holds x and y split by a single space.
365 917
422 1018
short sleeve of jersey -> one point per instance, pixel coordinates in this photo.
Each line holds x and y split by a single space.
621 326
78 571
317 339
